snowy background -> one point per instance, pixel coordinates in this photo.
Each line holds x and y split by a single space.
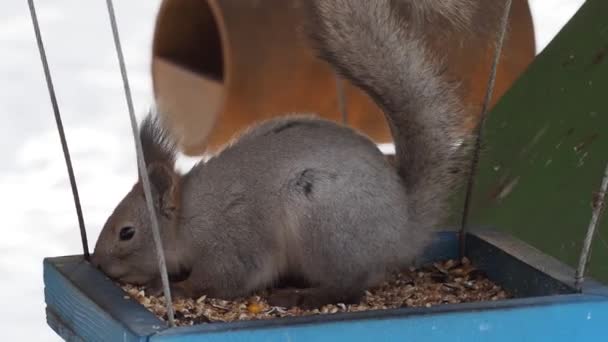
37 212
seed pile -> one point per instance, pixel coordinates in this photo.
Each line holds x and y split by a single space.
448 282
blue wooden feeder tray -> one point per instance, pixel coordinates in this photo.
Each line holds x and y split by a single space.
83 304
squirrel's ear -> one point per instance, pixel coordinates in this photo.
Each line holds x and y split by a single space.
165 189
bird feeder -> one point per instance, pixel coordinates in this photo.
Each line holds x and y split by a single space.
82 303
543 134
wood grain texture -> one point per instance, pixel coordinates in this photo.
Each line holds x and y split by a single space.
61 328
85 304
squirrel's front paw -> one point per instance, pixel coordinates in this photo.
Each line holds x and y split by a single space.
311 298
285 298
178 290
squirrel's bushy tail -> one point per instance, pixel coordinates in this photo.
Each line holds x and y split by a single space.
379 46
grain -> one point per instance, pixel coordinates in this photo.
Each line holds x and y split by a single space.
447 282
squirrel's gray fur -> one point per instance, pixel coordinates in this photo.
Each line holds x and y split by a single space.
303 197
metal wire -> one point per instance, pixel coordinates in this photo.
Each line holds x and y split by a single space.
486 103
598 206
64 144
160 254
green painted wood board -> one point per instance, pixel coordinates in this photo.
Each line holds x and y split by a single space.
546 145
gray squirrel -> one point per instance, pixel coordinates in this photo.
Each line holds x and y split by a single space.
304 198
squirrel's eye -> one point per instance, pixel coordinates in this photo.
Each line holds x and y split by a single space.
126 233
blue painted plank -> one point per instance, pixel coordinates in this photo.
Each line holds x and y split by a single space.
519 268
61 328
83 303
582 319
